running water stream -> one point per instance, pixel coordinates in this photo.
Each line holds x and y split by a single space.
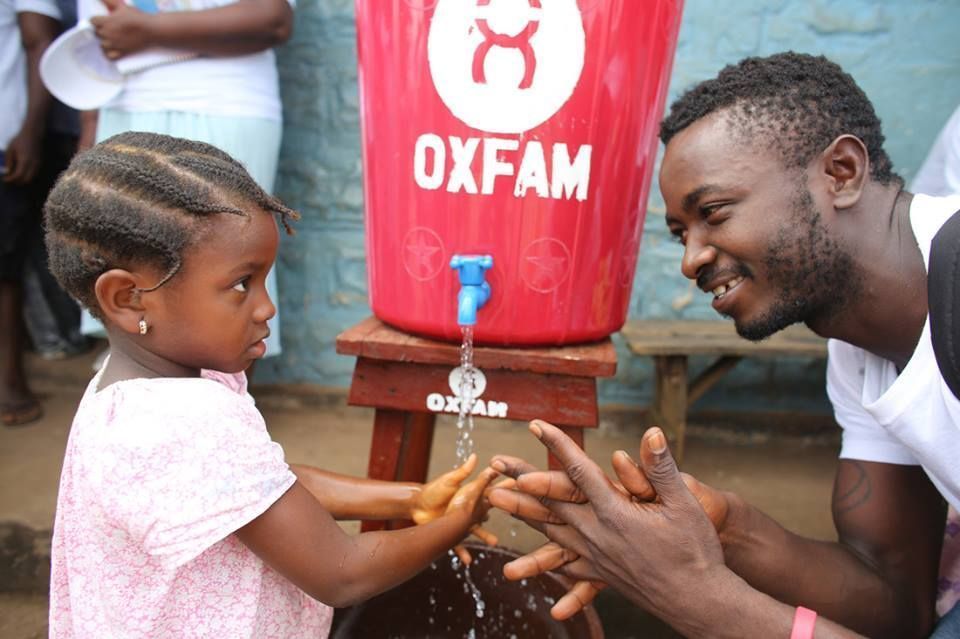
468 396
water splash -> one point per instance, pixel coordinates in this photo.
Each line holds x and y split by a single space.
468 397
469 586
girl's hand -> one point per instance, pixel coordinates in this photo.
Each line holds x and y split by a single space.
472 500
435 496
445 494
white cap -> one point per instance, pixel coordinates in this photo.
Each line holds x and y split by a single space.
77 72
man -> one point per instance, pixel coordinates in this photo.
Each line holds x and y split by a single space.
26 29
776 183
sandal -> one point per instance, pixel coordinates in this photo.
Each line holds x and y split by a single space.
20 412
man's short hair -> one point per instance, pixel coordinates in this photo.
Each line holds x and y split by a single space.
796 103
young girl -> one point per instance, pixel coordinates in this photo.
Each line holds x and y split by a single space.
177 515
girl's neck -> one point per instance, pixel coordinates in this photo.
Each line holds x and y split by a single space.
131 361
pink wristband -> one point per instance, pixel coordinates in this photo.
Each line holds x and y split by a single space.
803 623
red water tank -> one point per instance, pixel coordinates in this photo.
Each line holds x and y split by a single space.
521 129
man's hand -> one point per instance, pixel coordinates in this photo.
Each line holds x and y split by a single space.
22 158
523 503
659 554
526 503
635 483
534 484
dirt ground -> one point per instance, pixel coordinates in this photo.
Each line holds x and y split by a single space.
786 476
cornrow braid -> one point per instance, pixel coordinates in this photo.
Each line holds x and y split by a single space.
232 176
793 102
142 199
145 175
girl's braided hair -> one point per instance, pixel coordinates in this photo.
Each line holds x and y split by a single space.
141 199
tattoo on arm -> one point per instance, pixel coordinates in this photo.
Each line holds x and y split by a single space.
853 488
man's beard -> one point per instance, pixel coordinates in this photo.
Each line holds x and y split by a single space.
815 276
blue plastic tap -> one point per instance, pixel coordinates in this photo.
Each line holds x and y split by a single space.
474 289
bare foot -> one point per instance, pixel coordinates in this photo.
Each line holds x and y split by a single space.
18 409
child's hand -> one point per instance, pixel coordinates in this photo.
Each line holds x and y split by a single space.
473 500
446 495
435 496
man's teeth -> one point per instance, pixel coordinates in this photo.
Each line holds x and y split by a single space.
721 290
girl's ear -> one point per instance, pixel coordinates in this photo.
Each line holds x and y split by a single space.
118 293
846 166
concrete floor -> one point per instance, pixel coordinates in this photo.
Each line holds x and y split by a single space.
787 477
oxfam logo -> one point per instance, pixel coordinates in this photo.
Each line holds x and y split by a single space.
505 66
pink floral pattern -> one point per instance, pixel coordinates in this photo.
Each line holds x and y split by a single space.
157 476
948 587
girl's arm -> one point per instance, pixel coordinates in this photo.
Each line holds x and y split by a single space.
347 497
246 26
299 538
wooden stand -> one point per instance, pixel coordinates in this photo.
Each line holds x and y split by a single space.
406 379
671 342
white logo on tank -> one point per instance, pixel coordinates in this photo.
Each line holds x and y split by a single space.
505 66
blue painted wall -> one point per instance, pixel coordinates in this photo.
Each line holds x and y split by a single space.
904 53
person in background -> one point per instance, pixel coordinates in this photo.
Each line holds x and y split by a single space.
52 317
27 27
777 185
227 94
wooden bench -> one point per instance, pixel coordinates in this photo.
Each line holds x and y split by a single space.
671 342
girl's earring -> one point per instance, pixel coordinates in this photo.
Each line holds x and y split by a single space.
143 326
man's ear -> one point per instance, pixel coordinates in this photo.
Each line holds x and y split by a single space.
846 166
118 294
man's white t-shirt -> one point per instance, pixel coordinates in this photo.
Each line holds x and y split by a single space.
910 418
235 86
940 173
13 64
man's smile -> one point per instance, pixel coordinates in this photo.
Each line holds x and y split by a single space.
722 289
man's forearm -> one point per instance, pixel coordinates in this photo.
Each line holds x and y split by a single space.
729 608
825 576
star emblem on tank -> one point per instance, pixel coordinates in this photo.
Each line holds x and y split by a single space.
423 253
546 263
